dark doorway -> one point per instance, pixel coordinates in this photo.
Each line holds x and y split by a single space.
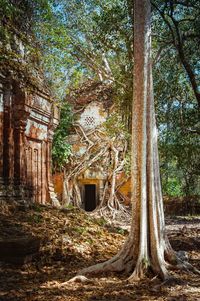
90 197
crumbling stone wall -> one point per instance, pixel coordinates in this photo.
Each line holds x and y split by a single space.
27 123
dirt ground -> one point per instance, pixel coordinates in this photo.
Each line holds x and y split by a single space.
71 240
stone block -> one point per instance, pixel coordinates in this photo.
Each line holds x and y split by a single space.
19 250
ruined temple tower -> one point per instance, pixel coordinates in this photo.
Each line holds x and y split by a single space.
27 122
95 166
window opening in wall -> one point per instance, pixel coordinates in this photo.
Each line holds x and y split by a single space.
90 201
89 121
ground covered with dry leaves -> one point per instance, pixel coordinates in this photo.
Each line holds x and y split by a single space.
71 240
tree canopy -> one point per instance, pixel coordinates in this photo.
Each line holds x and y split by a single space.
93 39
73 41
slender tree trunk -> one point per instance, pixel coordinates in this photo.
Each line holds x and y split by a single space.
179 45
147 245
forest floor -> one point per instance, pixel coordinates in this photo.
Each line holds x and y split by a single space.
71 240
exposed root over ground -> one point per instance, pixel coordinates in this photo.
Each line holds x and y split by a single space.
104 155
72 240
120 217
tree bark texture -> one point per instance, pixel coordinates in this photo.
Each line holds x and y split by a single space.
147 246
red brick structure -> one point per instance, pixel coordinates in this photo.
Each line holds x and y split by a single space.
27 123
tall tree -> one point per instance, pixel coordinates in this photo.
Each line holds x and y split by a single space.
99 45
147 245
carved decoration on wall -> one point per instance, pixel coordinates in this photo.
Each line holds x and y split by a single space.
26 122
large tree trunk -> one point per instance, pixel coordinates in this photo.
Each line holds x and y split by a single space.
148 228
147 245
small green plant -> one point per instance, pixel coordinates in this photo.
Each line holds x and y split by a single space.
89 241
36 218
145 262
127 164
80 230
69 207
121 231
61 148
101 221
37 207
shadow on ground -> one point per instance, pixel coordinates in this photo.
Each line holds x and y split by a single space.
56 263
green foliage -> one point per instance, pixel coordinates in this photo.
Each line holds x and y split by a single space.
115 127
69 207
19 49
37 207
177 116
101 221
127 164
121 231
172 187
88 39
84 33
145 262
80 230
79 40
176 105
36 218
61 148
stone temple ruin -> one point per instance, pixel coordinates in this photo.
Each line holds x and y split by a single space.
92 176
27 122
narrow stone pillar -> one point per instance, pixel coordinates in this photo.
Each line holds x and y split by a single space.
1 136
20 163
52 195
20 117
7 137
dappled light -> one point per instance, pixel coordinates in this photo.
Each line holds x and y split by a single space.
99 150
